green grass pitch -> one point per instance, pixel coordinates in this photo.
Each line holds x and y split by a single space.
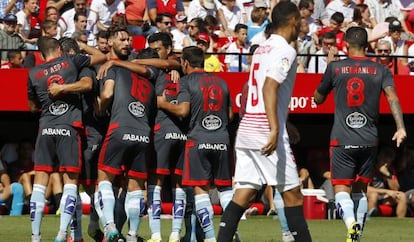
255 228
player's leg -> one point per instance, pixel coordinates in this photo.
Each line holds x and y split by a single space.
16 190
179 206
134 205
280 208
154 205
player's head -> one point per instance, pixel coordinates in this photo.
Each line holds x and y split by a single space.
286 15
356 37
69 45
193 57
49 46
162 43
119 43
147 53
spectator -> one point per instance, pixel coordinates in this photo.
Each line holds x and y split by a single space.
259 20
233 61
398 45
335 26
211 62
164 22
61 5
384 188
13 191
362 17
9 38
229 15
100 16
24 23
306 8
329 49
80 37
172 7
383 50
211 26
138 19
102 41
10 7
306 45
52 14
80 21
179 32
15 60
201 9
346 7
195 26
318 9
66 21
49 28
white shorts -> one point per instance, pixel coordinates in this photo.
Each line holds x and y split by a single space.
254 169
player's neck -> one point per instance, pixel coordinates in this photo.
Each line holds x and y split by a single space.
356 52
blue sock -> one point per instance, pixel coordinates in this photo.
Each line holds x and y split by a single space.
133 202
225 197
280 208
154 219
67 206
76 223
204 211
18 199
98 205
37 204
178 210
345 207
107 199
361 204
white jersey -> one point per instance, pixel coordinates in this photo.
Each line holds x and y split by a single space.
276 59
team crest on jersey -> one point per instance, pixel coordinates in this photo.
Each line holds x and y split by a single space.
285 64
356 120
58 108
137 109
211 122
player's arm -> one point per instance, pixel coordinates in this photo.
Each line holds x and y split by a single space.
105 98
97 57
159 63
83 85
269 90
318 97
231 113
181 109
134 67
394 102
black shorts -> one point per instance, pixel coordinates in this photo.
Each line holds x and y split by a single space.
124 146
206 163
58 147
91 143
169 145
352 163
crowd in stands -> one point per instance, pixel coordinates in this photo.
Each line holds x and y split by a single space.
231 25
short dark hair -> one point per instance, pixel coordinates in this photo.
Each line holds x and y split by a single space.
69 44
338 17
147 53
102 34
160 16
194 55
114 30
47 45
165 38
283 12
356 37
238 27
76 16
305 4
12 53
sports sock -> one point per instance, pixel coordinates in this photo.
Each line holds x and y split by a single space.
204 211
133 202
56 198
67 205
297 224
225 197
361 204
76 223
18 199
229 222
178 212
93 217
120 216
98 205
189 218
107 200
37 204
155 218
280 208
345 207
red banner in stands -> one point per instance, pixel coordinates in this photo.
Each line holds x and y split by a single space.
13 92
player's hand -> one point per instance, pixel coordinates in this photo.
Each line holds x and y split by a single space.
55 90
399 136
161 100
103 70
175 76
271 145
